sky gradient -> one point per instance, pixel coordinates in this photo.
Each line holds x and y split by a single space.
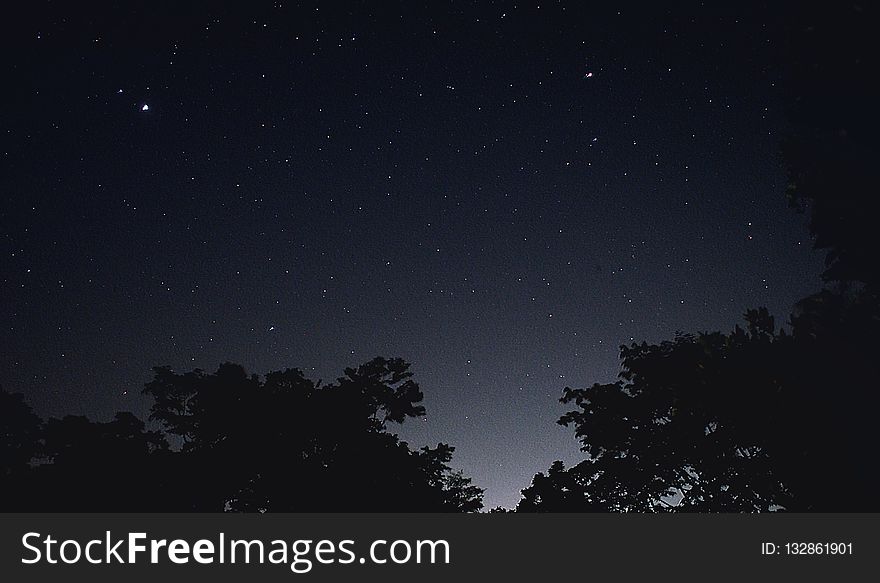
502 194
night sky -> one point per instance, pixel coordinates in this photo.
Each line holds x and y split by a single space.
502 194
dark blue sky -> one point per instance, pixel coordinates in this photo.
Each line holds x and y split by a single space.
500 193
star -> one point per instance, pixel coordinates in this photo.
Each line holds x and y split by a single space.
145 107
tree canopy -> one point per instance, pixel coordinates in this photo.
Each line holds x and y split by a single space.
831 149
237 442
755 420
762 419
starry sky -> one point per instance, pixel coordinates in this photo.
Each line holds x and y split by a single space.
500 193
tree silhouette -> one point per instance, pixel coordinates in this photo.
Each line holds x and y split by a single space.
91 466
288 444
558 491
19 434
241 443
755 420
831 148
760 419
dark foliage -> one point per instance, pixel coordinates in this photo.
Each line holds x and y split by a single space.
558 491
19 434
755 420
831 149
761 419
283 443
